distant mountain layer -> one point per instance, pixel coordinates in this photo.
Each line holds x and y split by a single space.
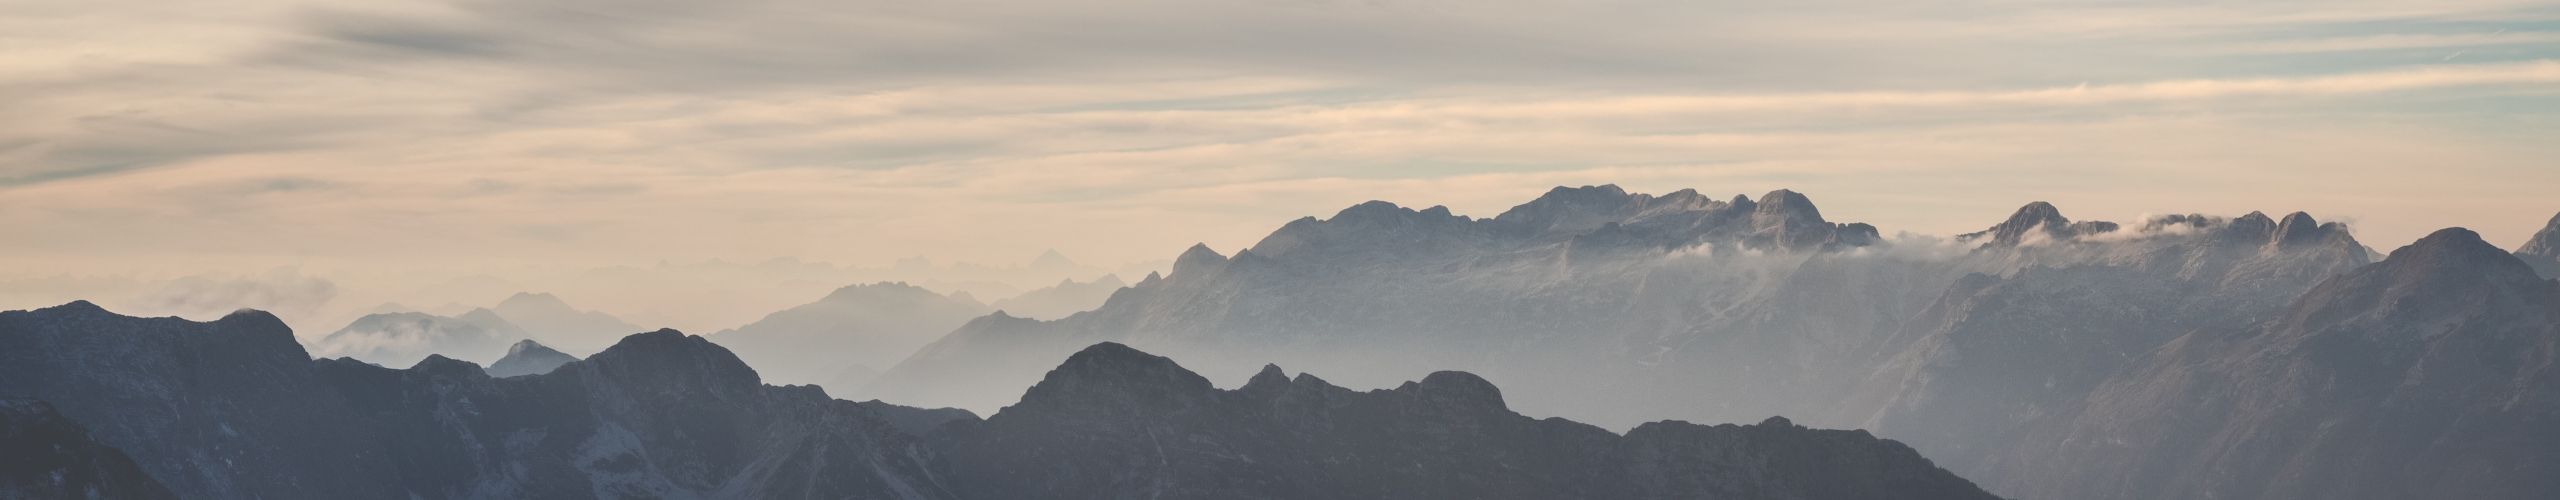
1990 352
1065 298
233 409
861 328
528 358
43 455
404 338
554 321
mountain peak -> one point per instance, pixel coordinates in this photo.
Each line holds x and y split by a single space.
1198 259
1269 377
1460 389
2453 247
2035 220
2299 229
1789 201
528 358
676 360
2545 243
1112 373
533 299
525 346
1574 208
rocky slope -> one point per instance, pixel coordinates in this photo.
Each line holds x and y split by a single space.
1113 422
43 455
528 358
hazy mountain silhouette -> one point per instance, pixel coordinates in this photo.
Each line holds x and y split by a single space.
559 325
1058 301
855 329
404 338
528 358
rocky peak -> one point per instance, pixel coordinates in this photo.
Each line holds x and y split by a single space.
1198 261
2298 229
1786 205
1113 374
1270 378
2545 243
673 360
2543 250
2446 273
2034 217
1573 209
528 358
2452 254
533 300
438 365
1456 389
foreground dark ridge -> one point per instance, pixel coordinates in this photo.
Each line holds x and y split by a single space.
235 409
1113 422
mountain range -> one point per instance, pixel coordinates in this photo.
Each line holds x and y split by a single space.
1616 308
2176 356
844 338
234 409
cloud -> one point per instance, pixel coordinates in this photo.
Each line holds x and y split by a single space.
285 292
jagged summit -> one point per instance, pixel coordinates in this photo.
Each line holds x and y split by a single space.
2036 222
1269 377
1197 260
449 367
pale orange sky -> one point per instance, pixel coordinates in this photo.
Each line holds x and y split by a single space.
402 145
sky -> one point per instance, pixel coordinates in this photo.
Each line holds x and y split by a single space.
330 156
